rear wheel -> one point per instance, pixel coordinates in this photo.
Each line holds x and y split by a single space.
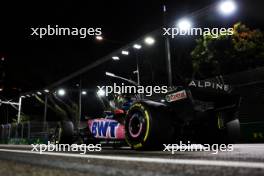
233 131
64 133
223 129
148 126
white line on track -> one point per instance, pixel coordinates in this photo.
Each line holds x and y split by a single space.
221 163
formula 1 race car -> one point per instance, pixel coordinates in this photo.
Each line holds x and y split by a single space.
202 112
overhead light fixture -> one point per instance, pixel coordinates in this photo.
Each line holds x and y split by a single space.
115 58
184 24
149 40
39 93
61 92
137 46
109 74
84 92
46 90
125 52
99 38
101 93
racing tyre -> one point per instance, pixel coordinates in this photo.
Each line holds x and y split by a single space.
148 125
64 133
223 130
233 131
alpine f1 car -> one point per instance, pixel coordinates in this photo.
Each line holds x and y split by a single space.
202 112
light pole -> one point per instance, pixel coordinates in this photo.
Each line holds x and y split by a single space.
46 93
80 103
19 109
167 48
137 47
137 71
45 112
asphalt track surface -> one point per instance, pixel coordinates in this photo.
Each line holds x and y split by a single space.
245 159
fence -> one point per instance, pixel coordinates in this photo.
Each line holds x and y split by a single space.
26 132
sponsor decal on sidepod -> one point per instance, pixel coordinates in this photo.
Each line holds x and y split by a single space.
106 129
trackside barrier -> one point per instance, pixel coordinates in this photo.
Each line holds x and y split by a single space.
25 133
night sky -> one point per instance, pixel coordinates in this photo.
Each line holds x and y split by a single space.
33 63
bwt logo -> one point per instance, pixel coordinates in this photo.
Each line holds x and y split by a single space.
104 129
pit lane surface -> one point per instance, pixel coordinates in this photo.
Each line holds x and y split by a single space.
246 159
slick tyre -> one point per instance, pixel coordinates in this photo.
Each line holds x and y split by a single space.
148 126
228 130
64 133
223 130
